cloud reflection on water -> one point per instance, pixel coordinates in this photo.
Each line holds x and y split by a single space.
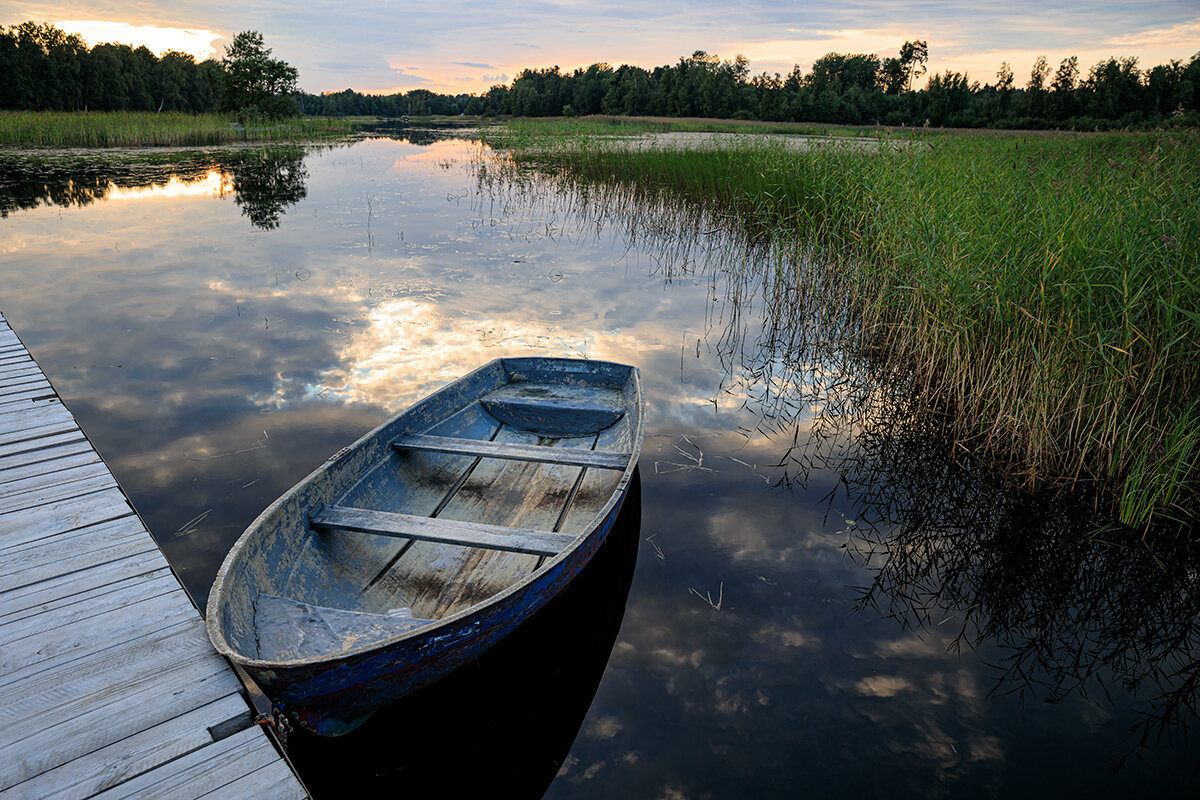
213 184
215 363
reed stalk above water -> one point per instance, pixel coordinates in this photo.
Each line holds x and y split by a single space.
1043 290
143 128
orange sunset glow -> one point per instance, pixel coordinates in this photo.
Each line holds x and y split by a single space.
196 42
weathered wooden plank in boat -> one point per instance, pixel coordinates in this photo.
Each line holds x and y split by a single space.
595 488
567 456
128 758
432 579
412 483
426 529
193 774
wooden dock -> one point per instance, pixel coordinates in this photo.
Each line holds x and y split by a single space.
109 686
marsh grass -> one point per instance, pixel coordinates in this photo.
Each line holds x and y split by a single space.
552 130
168 129
1044 292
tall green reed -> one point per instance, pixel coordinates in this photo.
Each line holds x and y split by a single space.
135 129
1043 291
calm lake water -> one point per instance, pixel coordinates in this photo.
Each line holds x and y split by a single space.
814 600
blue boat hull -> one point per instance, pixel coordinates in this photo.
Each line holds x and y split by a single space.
335 697
414 550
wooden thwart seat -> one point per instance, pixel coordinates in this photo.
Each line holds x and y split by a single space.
430 529
568 456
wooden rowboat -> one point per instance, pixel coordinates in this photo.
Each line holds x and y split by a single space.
428 540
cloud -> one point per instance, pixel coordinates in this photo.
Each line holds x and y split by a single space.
1184 34
323 42
197 42
883 686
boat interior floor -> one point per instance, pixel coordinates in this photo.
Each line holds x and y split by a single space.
288 629
507 483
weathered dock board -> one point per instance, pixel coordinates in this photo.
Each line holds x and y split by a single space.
108 684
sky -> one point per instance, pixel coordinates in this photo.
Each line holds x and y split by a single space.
450 46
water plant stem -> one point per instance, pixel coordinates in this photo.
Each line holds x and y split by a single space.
144 128
1044 290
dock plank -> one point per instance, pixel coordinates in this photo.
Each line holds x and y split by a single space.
68 475
65 515
44 559
110 684
35 432
194 775
45 414
40 443
44 495
85 579
128 758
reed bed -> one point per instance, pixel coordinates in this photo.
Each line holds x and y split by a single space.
143 128
1044 292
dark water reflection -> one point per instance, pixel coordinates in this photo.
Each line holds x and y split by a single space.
263 182
516 710
825 601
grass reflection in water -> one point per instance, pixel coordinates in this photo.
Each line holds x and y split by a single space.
1063 599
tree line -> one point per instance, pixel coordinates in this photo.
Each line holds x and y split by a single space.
45 68
416 103
863 89
854 89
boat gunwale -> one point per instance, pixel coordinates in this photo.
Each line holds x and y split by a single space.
213 617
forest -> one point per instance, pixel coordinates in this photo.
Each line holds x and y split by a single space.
45 68
863 89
